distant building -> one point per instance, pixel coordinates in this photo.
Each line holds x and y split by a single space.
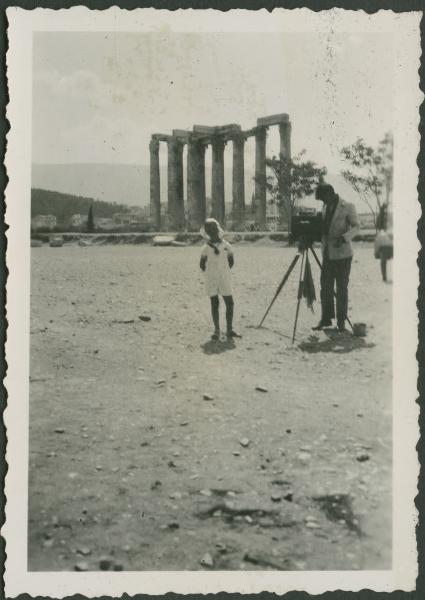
77 220
137 216
105 223
43 222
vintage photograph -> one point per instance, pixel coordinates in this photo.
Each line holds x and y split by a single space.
212 222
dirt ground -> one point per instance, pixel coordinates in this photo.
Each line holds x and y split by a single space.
152 449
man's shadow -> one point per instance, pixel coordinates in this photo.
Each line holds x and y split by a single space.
218 346
338 343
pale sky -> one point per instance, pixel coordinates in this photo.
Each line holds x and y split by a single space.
98 97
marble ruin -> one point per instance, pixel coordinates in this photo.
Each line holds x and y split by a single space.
197 141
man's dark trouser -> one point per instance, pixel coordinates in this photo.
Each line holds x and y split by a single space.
334 271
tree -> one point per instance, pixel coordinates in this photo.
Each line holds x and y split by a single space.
90 220
300 177
371 171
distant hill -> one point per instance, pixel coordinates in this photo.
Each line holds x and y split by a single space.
124 184
63 206
129 184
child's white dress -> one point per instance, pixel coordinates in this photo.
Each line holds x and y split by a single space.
217 273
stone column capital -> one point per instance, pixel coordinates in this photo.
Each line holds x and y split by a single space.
154 145
239 140
218 143
261 132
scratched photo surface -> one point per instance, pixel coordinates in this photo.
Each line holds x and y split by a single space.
153 444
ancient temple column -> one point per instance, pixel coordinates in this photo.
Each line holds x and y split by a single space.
238 183
202 207
260 177
176 217
217 191
196 202
155 193
285 183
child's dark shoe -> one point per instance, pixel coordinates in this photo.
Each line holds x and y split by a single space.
232 334
215 336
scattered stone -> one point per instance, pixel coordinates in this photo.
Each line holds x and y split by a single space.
59 430
175 496
236 453
143 444
207 493
156 485
312 525
221 547
99 468
207 397
48 543
105 563
145 318
160 381
360 415
81 566
289 431
118 567
84 551
72 475
173 525
207 560
244 442
184 423
304 457
171 464
262 560
362 457
123 321
276 496
261 388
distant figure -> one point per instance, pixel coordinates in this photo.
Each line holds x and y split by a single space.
340 225
216 262
384 249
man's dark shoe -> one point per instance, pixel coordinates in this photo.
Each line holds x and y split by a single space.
321 325
341 326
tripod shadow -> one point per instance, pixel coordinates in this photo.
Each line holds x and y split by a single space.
218 347
338 343
279 333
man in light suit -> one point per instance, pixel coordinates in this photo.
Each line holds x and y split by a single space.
340 225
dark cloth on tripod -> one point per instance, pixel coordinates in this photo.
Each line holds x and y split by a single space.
309 292
334 271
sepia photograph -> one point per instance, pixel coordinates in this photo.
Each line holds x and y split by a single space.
212 326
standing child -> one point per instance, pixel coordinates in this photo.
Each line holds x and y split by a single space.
216 261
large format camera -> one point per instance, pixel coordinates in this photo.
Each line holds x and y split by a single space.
306 226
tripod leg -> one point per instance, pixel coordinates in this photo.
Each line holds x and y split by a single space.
316 257
320 266
300 293
282 283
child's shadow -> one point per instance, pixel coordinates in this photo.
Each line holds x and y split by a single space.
218 346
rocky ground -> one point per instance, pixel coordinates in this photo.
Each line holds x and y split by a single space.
153 448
